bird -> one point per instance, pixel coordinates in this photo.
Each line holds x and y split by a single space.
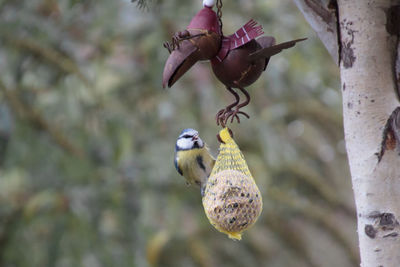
193 159
238 62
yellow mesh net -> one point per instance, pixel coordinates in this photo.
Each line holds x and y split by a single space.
232 200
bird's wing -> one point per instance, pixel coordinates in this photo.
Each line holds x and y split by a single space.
178 63
267 52
245 34
264 42
177 166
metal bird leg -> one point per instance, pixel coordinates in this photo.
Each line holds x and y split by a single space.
234 114
221 115
224 114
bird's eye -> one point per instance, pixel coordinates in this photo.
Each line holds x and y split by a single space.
187 136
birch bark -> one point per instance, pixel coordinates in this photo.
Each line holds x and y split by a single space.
368 44
369 98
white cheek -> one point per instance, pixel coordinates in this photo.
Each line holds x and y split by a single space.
209 3
184 143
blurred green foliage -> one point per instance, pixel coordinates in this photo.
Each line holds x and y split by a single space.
87 138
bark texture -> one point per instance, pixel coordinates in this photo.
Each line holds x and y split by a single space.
367 38
324 23
368 54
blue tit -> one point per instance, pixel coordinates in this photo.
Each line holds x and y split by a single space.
193 159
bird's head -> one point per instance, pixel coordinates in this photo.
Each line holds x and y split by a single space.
202 43
189 139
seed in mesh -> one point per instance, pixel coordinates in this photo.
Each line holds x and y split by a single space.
231 202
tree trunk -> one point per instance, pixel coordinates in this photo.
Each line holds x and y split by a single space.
367 41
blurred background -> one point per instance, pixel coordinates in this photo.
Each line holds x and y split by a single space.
87 137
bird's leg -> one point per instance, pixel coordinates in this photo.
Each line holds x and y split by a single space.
235 114
221 115
228 109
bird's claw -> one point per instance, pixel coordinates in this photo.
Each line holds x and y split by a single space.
223 116
220 117
235 114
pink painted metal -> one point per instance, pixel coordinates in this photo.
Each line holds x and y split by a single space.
245 34
205 19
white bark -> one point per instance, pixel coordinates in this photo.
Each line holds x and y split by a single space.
368 40
369 98
324 23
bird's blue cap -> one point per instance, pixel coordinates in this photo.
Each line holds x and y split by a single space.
188 130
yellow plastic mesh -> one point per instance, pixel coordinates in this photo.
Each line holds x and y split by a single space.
232 200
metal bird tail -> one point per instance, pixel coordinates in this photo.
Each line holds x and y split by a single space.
269 51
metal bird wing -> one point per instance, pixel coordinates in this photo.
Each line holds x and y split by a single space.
245 34
266 41
267 52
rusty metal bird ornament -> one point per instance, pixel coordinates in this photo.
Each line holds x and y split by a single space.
240 62
237 60
200 41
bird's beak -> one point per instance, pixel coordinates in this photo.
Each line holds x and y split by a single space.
178 63
195 138
203 46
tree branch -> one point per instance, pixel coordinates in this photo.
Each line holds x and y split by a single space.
9 225
324 22
47 54
309 176
289 235
318 216
27 112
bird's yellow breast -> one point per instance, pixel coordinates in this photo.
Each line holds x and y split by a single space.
196 164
